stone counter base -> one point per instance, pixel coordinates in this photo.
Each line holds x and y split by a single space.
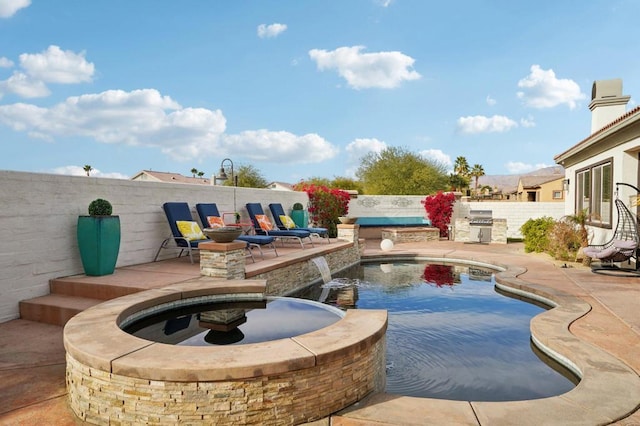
411 235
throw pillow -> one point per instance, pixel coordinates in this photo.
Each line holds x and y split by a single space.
190 230
287 221
264 222
215 222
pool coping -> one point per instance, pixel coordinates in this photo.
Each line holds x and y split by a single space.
609 389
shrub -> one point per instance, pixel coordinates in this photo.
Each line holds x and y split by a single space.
100 207
326 206
564 240
298 206
439 208
536 234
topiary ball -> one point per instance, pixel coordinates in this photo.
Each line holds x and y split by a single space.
100 207
298 206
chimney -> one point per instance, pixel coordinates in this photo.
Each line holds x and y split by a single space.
607 103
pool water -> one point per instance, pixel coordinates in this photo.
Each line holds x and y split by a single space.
235 323
451 335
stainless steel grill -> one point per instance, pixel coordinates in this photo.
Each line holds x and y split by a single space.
480 223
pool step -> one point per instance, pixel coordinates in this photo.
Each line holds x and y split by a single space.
55 309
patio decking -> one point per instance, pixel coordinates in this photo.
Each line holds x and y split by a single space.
32 359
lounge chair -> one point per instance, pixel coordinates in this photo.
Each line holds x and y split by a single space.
280 217
185 232
622 247
210 215
263 226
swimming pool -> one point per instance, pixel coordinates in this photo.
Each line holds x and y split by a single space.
451 334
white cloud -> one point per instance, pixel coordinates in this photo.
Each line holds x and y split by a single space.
528 122
481 124
365 70
24 86
357 149
79 171
5 62
385 3
271 30
53 65
439 156
57 66
517 167
490 101
146 118
139 117
278 146
9 7
543 90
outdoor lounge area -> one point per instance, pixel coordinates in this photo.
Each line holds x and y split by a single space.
594 327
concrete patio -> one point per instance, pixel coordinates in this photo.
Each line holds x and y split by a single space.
32 357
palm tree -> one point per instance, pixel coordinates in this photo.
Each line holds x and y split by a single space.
461 166
200 174
460 179
87 169
194 172
476 171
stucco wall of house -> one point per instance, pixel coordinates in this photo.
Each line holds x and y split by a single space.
625 169
40 212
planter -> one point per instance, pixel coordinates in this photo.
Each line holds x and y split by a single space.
300 218
99 243
225 234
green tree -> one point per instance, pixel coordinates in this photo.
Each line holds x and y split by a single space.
461 166
397 171
314 180
194 172
87 169
248 177
476 171
458 182
200 174
346 183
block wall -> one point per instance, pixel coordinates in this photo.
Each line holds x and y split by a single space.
40 212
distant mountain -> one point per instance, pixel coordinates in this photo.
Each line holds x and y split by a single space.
509 183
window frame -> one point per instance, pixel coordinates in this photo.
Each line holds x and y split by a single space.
596 192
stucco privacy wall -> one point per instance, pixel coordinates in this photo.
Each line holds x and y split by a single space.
516 213
40 212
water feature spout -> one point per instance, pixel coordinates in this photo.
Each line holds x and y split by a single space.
325 273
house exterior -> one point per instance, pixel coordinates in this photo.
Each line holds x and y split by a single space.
280 186
610 154
151 176
540 189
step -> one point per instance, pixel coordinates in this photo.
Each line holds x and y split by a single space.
55 309
81 287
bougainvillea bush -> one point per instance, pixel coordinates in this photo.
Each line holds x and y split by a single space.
326 205
439 208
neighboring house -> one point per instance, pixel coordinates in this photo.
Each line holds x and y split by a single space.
609 155
151 176
540 188
280 186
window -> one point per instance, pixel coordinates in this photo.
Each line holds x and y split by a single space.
557 195
594 186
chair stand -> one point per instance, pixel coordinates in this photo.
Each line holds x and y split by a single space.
165 245
613 270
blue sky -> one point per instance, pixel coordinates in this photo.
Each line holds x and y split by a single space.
302 88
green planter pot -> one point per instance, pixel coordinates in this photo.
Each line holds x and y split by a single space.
99 243
300 218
